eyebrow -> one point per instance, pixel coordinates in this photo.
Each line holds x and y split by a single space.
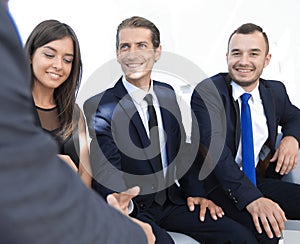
53 49
136 43
252 50
256 50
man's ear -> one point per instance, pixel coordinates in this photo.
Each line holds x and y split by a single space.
118 55
157 53
268 59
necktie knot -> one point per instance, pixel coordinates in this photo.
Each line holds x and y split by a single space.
245 97
148 98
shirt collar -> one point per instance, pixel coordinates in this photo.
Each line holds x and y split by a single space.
238 91
136 93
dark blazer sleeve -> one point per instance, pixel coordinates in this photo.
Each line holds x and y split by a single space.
42 200
104 154
287 115
218 168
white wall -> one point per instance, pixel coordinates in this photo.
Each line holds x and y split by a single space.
197 30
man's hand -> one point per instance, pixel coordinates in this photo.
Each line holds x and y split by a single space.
121 200
268 213
286 155
215 211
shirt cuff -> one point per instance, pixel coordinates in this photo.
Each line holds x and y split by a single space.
130 207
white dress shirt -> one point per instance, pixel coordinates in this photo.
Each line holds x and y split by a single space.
259 121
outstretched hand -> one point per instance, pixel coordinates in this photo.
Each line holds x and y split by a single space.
121 200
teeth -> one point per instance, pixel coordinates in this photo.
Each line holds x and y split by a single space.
54 75
244 70
133 65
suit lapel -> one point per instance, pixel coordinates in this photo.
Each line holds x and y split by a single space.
126 103
269 109
237 113
164 107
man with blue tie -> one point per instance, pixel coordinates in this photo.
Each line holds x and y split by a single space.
138 139
238 114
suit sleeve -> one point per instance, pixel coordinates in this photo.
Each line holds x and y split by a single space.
218 166
42 200
104 154
289 115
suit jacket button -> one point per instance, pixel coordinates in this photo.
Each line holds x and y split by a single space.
142 206
234 200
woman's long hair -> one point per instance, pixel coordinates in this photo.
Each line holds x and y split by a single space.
64 95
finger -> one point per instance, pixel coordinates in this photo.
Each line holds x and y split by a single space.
279 163
275 156
266 227
289 166
280 218
280 214
257 224
284 165
295 162
133 191
219 211
276 225
191 204
126 196
203 212
112 201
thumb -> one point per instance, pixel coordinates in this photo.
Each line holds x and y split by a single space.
275 156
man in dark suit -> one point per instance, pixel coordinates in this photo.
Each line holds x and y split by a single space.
123 152
264 203
42 200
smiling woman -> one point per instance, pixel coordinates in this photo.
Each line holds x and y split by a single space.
53 51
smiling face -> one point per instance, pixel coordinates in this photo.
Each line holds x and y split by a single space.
52 63
137 55
246 59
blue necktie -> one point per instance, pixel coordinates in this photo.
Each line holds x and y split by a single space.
247 139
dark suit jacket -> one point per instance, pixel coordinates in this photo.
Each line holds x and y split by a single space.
42 200
217 116
119 143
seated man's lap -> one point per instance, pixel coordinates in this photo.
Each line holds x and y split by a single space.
179 219
241 216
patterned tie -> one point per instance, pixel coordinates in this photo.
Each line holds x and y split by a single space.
247 139
160 196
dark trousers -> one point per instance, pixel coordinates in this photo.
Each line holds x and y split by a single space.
287 195
178 218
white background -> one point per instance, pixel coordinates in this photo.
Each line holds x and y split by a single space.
198 30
